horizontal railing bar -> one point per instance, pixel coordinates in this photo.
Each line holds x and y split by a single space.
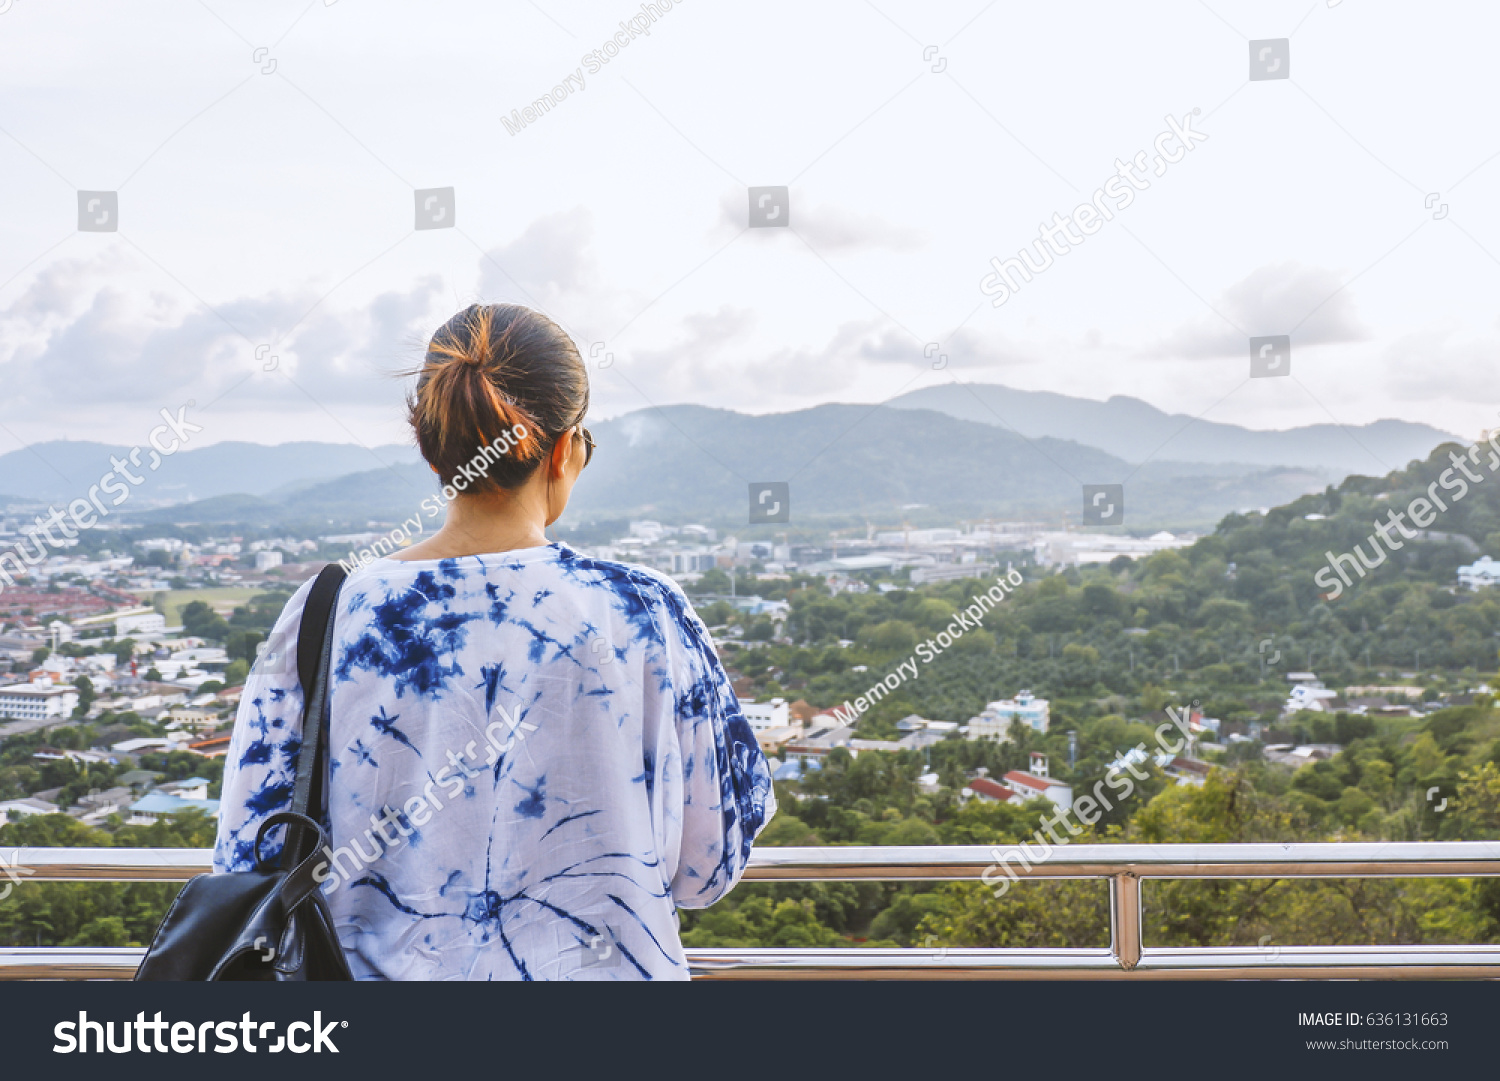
1232 963
1322 860
108 864
927 863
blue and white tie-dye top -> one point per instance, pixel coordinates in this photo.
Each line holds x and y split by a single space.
535 757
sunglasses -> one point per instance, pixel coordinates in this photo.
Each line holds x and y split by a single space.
588 445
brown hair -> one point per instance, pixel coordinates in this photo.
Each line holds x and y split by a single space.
497 375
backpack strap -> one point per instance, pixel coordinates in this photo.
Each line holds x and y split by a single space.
314 665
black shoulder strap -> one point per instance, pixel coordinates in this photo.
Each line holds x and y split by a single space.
314 661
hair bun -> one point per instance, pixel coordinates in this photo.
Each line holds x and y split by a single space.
496 376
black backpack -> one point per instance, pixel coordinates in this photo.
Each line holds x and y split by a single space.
272 923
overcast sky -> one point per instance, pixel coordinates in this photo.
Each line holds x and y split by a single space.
266 155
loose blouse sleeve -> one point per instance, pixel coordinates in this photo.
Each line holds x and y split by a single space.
260 768
726 780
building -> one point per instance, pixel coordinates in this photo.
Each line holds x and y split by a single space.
138 623
988 791
1313 697
771 740
794 769
1481 574
857 745
822 735
758 606
1285 754
191 720
994 723
37 701
97 806
1072 549
947 572
193 788
766 715
690 561
149 745
918 733
265 561
188 663
1125 759
213 745
1184 770
20 808
154 805
56 754
1037 783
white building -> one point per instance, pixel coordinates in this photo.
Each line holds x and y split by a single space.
193 662
1037 783
994 723
192 788
1481 574
1075 548
264 561
1311 696
763 716
141 622
20 808
947 572
37 701
694 560
151 744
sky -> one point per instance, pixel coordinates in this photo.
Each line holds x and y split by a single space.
261 161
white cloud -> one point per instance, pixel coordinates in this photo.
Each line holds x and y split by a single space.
829 228
1309 303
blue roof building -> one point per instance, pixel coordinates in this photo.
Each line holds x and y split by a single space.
153 805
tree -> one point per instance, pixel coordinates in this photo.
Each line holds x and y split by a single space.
124 651
86 695
201 621
712 580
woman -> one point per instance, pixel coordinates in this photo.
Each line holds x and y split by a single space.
535 757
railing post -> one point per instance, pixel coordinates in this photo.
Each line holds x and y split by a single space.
1125 918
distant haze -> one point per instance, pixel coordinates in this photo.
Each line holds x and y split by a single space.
935 455
1137 431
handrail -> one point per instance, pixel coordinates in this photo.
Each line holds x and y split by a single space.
1123 866
915 863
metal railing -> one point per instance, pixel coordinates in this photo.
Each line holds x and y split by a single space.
1124 866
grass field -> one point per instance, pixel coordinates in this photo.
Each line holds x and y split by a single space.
223 600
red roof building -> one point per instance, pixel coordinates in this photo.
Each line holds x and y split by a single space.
1029 785
991 791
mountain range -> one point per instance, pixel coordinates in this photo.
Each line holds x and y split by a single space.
934 455
1137 431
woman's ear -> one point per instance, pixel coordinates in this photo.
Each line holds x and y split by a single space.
562 450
